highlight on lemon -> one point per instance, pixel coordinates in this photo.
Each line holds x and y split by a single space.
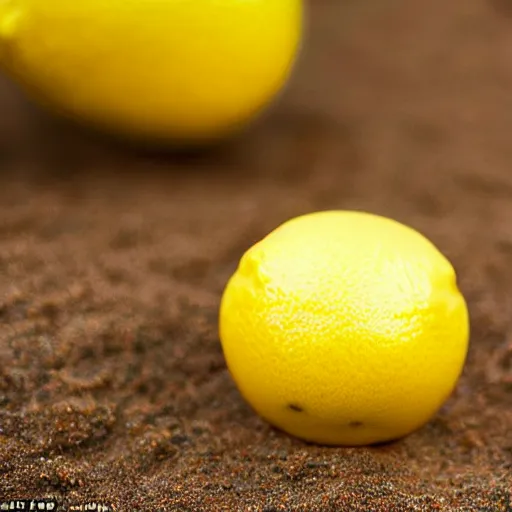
176 70
344 328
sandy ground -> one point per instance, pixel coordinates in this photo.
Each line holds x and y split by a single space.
112 261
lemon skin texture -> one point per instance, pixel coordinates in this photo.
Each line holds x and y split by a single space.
344 328
182 70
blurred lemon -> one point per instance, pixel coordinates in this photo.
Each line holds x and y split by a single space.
173 69
344 328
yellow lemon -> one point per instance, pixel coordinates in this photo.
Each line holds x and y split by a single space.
164 69
344 328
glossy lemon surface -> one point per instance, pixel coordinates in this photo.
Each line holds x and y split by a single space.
344 328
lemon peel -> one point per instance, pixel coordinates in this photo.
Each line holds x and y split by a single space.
344 328
174 70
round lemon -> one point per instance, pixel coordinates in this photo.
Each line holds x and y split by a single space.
344 328
164 69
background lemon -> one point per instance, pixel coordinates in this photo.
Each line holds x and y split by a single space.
185 69
344 327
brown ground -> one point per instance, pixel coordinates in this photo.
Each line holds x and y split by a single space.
112 262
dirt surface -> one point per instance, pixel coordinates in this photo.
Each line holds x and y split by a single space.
113 386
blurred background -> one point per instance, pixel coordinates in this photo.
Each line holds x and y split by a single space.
113 259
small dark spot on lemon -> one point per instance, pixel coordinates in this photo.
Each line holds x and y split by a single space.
295 407
355 424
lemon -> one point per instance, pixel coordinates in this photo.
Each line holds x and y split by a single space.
344 328
164 69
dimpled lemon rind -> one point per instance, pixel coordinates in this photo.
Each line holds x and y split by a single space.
344 328
186 70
